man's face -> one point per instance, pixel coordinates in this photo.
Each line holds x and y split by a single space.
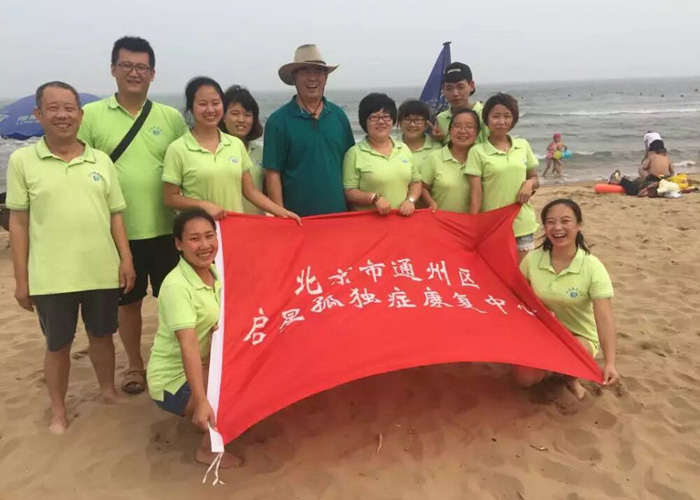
59 114
310 82
133 72
457 94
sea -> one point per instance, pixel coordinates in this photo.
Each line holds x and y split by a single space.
602 122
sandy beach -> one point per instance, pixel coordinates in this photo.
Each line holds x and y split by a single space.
447 432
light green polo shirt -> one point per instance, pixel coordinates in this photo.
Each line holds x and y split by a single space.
421 154
570 294
184 302
443 120
140 167
203 175
70 207
501 177
257 172
449 185
372 172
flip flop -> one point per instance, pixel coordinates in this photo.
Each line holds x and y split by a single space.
134 381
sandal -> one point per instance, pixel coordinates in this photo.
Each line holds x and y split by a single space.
134 381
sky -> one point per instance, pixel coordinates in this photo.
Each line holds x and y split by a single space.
378 43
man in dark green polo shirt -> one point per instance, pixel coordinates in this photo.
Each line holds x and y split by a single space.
305 141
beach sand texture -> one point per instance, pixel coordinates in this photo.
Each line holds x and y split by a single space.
447 432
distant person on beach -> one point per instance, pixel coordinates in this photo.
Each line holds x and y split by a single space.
305 141
445 186
554 159
242 119
503 171
414 118
378 172
139 166
457 86
69 246
575 286
206 168
657 163
650 137
188 312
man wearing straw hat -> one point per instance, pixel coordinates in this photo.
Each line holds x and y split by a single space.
305 141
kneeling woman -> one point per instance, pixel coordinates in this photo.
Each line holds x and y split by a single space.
575 286
188 312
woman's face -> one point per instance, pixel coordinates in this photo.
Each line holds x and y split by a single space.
207 108
413 127
199 243
379 125
238 120
464 130
561 227
500 119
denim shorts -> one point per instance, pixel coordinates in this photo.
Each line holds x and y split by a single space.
526 242
176 403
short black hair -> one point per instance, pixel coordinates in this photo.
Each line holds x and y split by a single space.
413 107
576 209
657 146
185 216
237 94
133 44
61 85
503 99
194 85
374 102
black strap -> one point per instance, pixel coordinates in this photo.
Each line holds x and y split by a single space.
124 143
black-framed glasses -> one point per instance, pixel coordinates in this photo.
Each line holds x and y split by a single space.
127 67
414 121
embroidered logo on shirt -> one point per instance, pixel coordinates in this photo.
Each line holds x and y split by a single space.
572 292
155 130
404 160
233 159
95 176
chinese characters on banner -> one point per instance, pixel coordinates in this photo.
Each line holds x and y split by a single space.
346 296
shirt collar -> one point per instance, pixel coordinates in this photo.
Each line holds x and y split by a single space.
447 155
299 111
574 267
490 149
43 152
193 278
363 145
193 145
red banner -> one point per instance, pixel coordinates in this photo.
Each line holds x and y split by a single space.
345 296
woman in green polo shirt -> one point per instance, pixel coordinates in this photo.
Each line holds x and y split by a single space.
207 168
414 119
575 286
502 170
188 312
379 172
242 119
445 185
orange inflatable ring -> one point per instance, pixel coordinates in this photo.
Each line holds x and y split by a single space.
608 188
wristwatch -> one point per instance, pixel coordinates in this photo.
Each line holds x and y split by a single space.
411 199
375 197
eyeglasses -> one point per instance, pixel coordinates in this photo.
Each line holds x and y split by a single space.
463 127
376 118
415 121
128 67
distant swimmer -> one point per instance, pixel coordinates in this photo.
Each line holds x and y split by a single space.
554 155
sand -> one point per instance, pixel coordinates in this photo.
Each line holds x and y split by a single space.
448 431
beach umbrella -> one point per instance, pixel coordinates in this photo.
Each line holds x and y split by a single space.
18 122
432 91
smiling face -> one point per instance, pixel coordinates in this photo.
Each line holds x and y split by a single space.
199 244
238 120
500 120
379 125
59 114
207 107
310 82
561 226
133 72
413 127
463 130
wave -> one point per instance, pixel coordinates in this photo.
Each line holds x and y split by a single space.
615 112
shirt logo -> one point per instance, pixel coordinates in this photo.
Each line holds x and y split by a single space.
155 130
404 160
572 292
233 159
95 176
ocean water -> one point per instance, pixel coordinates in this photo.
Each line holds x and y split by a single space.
602 122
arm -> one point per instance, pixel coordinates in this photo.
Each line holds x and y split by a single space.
415 189
528 187
428 198
646 164
359 198
476 194
127 275
174 199
261 201
19 236
203 412
273 184
602 310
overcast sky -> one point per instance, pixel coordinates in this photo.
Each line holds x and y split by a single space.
384 43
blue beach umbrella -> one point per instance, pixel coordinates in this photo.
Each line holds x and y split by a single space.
18 122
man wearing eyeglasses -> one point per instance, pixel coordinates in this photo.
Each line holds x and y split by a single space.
106 126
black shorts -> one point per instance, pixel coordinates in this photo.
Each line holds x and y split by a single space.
58 315
153 258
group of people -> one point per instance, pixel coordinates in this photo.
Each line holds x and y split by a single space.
122 193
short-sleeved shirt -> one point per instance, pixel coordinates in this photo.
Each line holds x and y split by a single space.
203 175
257 173
70 205
184 302
502 173
570 294
421 154
140 167
443 120
372 172
308 153
449 185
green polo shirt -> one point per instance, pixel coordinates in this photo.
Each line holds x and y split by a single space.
502 174
443 120
70 207
203 175
257 172
372 172
421 154
184 302
140 167
308 153
449 185
569 294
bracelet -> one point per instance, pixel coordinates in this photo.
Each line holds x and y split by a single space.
375 197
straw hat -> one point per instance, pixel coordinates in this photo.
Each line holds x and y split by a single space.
305 55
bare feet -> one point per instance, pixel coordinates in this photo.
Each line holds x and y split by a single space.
59 423
113 398
228 461
576 388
